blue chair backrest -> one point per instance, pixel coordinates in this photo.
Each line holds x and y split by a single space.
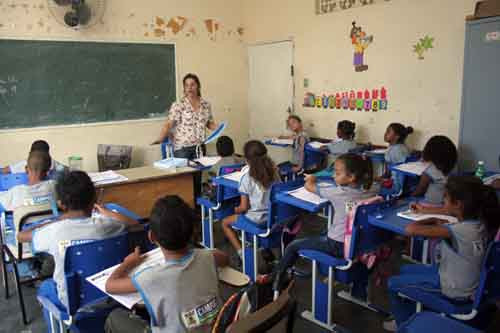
314 158
489 281
10 180
224 193
119 209
366 237
278 212
86 259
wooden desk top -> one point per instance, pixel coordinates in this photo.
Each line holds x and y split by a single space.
147 173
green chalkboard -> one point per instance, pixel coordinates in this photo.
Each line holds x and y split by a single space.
53 82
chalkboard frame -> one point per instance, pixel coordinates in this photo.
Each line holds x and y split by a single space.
152 117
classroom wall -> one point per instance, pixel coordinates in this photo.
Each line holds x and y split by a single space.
425 94
209 41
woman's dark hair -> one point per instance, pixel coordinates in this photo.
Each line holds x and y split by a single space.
442 152
76 191
294 117
360 167
195 78
172 222
346 129
401 130
262 168
40 145
224 146
479 201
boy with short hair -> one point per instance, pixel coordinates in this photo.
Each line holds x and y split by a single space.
76 197
38 145
181 294
37 191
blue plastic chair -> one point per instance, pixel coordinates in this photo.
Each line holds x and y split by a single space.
314 158
226 200
10 180
266 235
487 292
119 209
81 261
167 149
365 238
431 322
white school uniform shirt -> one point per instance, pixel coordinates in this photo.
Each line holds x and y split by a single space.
342 198
341 146
56 237
258 198
20 166
27 195
181 295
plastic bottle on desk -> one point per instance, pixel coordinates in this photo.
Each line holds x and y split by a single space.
480 171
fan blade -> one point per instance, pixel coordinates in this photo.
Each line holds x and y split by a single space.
62 2
84 14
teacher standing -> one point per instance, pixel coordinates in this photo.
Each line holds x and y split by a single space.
188 120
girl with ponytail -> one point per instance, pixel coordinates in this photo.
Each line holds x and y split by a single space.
395 136
254 187
462 248
353 178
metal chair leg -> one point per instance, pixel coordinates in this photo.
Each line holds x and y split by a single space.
20 293
5 275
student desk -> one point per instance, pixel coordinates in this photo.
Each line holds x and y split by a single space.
388 219
221 181
147 184
310 207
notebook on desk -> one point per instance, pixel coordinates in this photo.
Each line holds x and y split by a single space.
415 168
236 176
411 215
277 141
317 145
303 194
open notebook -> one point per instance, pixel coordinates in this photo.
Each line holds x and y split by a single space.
155 257
106 177
208 161
303 194
415 168
277 141
410 215
236 176
317 145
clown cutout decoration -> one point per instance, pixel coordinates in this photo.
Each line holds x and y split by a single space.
360 41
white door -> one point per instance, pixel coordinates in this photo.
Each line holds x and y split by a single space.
270 96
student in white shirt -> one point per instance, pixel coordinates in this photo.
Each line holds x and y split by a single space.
38 145
345 138
37 191
76 197
181 293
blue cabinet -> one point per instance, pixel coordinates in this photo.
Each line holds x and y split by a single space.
480 118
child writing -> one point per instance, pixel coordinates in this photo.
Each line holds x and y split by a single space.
184 283
354 178
255 188
300 139
461 250
76 197
441 154
37 191
38 145
345 141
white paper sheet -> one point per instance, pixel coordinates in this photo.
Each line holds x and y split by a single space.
416 168
236 176
171 162
317 145
378 151
208 160
282 141
489 180
153 258
303 194
106 177
410 215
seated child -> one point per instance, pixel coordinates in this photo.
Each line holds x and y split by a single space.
38 145
182 293
300 139
461 250
225 149
345 141
354 178
442 156
254 188
37 191
76 197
